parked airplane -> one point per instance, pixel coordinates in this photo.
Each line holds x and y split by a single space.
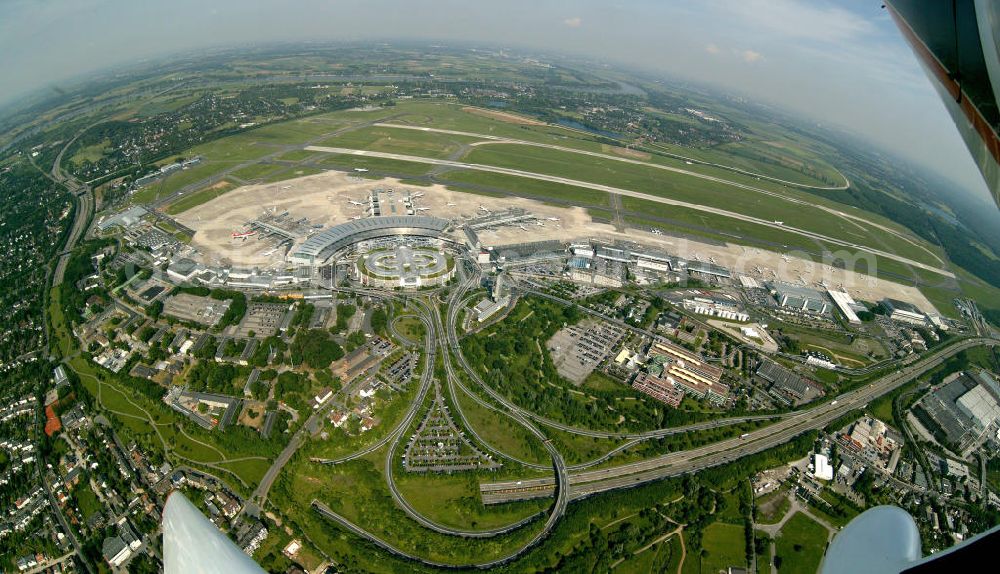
357 203
360 170
481 208
552 218
243 234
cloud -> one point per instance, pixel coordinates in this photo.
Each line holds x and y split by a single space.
750 57
712 49
818 21
573 22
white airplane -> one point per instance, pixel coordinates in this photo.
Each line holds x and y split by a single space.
423 209
417 194
356 217
286 187
358 203
785 258
481 208
360 169
523 228
656 231
552 218
540 223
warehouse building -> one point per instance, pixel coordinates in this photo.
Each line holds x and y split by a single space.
847 306
904 312
799 298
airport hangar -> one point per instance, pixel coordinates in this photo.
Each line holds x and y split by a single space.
323 245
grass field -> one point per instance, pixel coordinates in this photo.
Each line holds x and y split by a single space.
648 179
453 500
375 164
258 171
500 433
542 190
722 546
763 559
408 142
196 198
357 491
800 545
86 500
251 471
411 328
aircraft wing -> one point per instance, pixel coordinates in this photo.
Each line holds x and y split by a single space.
193 545
958 44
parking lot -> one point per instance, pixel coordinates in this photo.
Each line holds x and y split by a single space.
577 350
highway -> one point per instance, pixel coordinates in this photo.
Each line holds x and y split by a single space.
390 455
586 483
634 194
84 209
435 329
580 481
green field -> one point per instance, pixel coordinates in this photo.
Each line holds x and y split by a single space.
497 430
357 491
723 546
402 141
196 198
453 500
258 171
86 500
763 559
800 545
411 328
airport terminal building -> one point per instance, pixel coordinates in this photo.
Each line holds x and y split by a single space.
323 245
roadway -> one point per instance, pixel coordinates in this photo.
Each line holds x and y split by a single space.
84 208
682 462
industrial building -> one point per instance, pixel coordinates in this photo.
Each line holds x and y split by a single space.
661 389
688 372
847 306
799 298
786 386
904 312
965 409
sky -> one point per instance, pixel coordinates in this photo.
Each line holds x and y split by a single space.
842 63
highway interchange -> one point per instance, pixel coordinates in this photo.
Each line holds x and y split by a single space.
568 483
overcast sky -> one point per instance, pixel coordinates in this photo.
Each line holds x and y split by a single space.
843 63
